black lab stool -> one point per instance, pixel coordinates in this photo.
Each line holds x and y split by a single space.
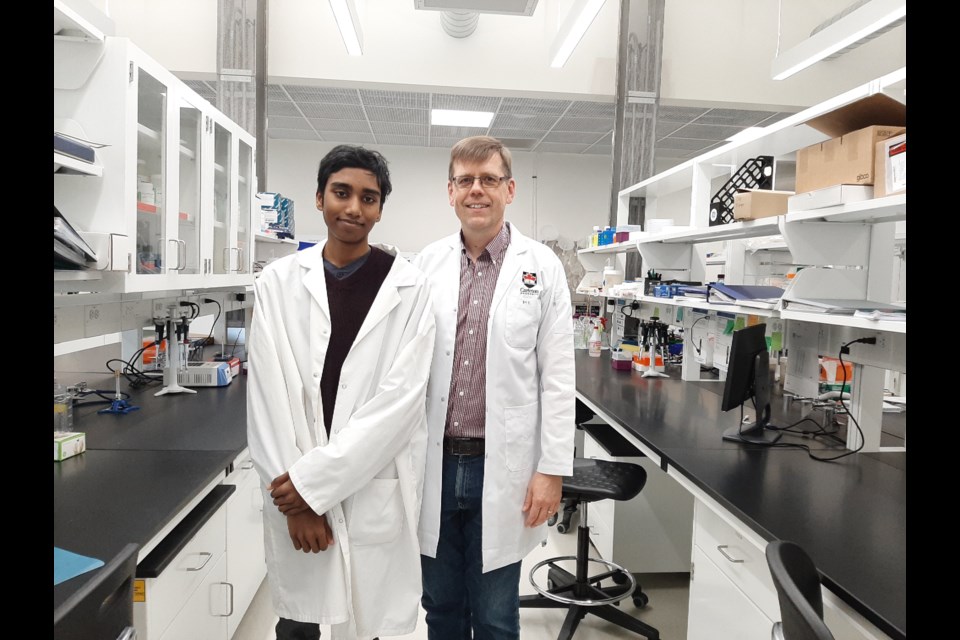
582 593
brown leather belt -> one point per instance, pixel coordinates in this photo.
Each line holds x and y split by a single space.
463 446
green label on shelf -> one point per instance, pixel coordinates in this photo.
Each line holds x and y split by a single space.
776 341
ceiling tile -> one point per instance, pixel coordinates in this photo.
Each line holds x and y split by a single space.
284 122
570 136
535 107
523 121
464 103
456 132
599 150
390 114
399 99
551 147
593 110
351 137
405 141
706 132
684 144
331 95
598 125
679 114
733 117
331 111
276 108
323 126
400 129
291 134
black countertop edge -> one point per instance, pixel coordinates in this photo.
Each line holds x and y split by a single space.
161 556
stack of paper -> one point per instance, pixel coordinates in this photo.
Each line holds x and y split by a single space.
845 306
756 296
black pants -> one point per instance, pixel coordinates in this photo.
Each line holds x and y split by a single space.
293 630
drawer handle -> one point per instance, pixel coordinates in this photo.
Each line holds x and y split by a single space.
128 633
247 465
721 547
229 613
205 561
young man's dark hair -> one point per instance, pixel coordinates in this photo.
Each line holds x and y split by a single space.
349 157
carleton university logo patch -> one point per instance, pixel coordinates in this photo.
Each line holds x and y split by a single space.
529 279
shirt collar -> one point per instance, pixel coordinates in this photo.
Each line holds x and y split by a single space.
496 247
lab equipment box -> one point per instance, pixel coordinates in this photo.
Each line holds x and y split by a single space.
67 444
891 166
830 197
759 203
855 129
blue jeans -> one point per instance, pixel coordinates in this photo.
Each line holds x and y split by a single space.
457 596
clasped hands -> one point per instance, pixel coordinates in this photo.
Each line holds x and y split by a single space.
309 531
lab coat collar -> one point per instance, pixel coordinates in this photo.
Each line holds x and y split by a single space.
402 274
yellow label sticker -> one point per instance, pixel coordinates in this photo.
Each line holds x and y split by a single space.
139 590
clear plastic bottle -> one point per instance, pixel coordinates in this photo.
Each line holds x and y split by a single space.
62 408
594 343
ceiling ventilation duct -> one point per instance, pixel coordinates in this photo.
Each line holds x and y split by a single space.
459 24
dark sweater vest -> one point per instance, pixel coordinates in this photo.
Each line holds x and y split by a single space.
349 300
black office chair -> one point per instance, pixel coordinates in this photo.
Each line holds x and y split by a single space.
581 593
798 589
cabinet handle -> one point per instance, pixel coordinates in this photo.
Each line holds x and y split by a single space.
181 253
247 465
128 633
226 259
721 547
202 553
239 258
229 613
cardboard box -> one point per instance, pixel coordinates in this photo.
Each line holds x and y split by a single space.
855 130
759 203
829 197
891 166
67 444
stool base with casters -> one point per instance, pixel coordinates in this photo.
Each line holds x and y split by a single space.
579 592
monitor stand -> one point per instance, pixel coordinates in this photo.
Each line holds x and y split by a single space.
757 432
752 433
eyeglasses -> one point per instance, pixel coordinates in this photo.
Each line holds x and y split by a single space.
487 182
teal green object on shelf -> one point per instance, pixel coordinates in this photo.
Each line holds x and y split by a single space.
67 564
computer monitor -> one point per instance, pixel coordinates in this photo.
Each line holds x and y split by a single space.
748 376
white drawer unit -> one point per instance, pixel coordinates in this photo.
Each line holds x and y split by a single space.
738 556
719 610
650 533
168 578
246 562
205 615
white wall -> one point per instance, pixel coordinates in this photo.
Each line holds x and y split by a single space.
571 192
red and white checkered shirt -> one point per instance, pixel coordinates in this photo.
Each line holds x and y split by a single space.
468 385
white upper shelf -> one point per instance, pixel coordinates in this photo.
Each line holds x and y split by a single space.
779 139
80 19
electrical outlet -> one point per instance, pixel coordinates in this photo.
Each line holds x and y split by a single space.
881 340
100 319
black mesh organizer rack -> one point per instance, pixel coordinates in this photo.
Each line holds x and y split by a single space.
756 173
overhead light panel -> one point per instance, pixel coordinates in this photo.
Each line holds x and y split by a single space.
455 118
345 12
848 30
571 32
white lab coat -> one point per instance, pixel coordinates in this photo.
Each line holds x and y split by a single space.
368 477
530 389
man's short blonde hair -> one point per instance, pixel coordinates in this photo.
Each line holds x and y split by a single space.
479 149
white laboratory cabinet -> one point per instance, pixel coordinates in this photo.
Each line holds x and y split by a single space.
172 206
246 564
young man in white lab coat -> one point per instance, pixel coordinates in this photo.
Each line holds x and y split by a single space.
500 402
339 355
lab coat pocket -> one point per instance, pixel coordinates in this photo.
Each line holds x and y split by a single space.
523 319
375 513
520 426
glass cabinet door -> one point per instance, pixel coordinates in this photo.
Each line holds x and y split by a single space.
222 170
151 106
188 217
244 202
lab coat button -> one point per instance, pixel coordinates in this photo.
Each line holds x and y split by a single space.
343 386
316 375
448 353
341 520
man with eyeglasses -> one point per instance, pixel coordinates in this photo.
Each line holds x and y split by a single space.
500 402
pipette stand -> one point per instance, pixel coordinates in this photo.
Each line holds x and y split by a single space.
119 406
655 369
171 382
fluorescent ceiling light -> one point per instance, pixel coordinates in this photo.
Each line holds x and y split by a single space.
349 25
568 37
454 118
846 31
